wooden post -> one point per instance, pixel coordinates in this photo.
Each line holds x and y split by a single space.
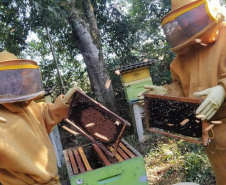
138 110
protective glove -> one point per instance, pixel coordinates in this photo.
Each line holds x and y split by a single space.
215 97
151 89
3 120
71 91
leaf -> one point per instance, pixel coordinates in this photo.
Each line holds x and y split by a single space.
37 6
50 8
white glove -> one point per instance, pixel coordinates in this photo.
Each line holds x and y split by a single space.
68 95
151 89
215 97
3 120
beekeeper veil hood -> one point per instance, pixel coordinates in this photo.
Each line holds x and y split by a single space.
20 79
190 21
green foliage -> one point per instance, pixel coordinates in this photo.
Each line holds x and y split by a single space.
63 173
135 35
169 161
196 164
184 161
128 35
196 168
13 26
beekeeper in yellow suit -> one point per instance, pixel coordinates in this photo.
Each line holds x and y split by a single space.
26 153
197 34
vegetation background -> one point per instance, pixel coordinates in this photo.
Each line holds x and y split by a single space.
82 41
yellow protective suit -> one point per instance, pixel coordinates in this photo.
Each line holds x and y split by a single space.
201 68
26 153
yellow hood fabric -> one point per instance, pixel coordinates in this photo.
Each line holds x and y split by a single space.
201 68
26 153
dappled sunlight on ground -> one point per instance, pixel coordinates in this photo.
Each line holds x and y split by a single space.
169 161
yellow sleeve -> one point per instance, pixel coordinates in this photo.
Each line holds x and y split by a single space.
53 113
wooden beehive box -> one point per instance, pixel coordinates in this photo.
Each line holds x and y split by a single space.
173 116
90 165
134 77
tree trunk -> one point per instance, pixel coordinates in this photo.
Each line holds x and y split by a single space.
84 28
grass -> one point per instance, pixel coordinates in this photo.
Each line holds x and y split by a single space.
169 161
63 173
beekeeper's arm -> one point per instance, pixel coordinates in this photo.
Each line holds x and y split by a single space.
173 89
